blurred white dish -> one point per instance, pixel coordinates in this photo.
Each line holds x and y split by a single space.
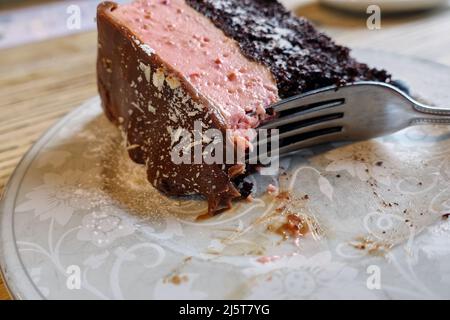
385 5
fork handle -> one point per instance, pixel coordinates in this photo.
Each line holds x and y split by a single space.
435 115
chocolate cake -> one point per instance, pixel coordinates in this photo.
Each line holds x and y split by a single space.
164 65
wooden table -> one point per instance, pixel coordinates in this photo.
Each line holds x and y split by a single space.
39 83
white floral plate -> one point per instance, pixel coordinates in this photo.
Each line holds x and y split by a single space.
385 5
79 220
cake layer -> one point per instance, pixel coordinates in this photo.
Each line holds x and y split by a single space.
203 55
300 57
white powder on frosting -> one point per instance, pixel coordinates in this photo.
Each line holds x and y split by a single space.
147 49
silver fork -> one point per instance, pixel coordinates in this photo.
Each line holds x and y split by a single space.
353 112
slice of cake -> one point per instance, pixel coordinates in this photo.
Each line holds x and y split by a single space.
164 65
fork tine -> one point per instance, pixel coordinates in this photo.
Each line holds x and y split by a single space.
307 125
296 109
